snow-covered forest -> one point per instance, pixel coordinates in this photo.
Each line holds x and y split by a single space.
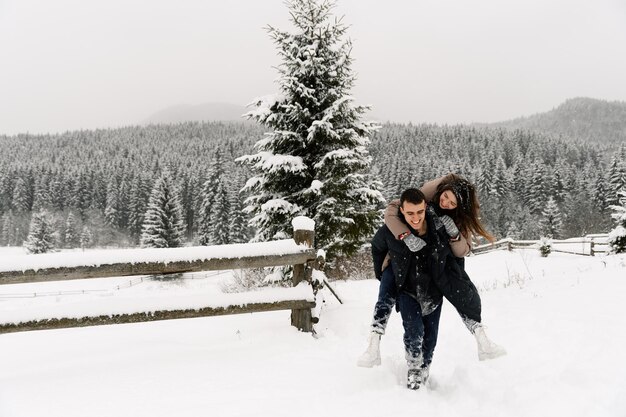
96 185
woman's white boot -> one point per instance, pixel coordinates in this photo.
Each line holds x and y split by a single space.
486 348
371 356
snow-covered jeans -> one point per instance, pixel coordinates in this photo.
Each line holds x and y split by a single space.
420 332
387 294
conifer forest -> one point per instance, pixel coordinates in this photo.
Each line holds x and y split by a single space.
101 187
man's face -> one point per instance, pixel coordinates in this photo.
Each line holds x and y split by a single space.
414 215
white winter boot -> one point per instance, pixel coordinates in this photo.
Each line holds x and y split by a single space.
371 356
486 348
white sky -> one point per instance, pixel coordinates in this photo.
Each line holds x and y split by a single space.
71 64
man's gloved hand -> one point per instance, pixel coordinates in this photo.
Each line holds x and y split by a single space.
427 304
414 243
451 228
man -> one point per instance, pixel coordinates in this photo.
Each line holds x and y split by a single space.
418 301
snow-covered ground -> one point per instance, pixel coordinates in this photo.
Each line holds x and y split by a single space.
561 318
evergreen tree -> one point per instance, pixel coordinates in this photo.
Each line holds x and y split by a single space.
86 238
99 192
501 185
41 237
536 190
485 179
123 205
5 202
163 226
112 213
41 199
139 195
557 186
6 238
519 181
238 230
56 192
580 215
71 236
188 193
79 197
551 221
22 199
617 179
617 237
600 195
513 230
220 213
208 199
314 161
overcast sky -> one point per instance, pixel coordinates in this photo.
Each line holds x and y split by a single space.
72 64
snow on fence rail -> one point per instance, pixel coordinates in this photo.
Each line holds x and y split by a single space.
298 252
588 245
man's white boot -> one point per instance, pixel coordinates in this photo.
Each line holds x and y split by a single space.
371 356
486 348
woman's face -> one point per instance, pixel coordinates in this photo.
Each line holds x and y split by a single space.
447 200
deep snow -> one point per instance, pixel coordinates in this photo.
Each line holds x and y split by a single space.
561 318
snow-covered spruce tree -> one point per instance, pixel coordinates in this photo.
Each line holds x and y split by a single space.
86 238
617 179
220 213
207 199
139 194
163 225
314 161
536 189
71 237
600 194
617 236
238 227
551 220
545 246
112 213
56 193
41 237
7 229
22 198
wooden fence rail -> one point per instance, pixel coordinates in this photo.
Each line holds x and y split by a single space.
154 268
298 252
590 245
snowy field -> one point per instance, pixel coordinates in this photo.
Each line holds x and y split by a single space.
561 318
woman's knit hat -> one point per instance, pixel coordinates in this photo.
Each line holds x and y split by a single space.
461 190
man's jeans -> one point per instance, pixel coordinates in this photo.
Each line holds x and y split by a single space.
420 333
387 295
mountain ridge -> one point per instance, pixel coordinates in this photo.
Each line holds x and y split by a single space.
581 118
210 111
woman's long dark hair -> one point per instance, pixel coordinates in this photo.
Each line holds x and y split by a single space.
466 213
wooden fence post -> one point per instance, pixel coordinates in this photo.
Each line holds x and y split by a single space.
303 233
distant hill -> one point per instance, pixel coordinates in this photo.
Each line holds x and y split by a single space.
212 112
585 119
198 113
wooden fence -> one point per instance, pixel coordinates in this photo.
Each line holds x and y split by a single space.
298 252
589 245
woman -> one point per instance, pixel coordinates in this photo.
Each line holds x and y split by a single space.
455 201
